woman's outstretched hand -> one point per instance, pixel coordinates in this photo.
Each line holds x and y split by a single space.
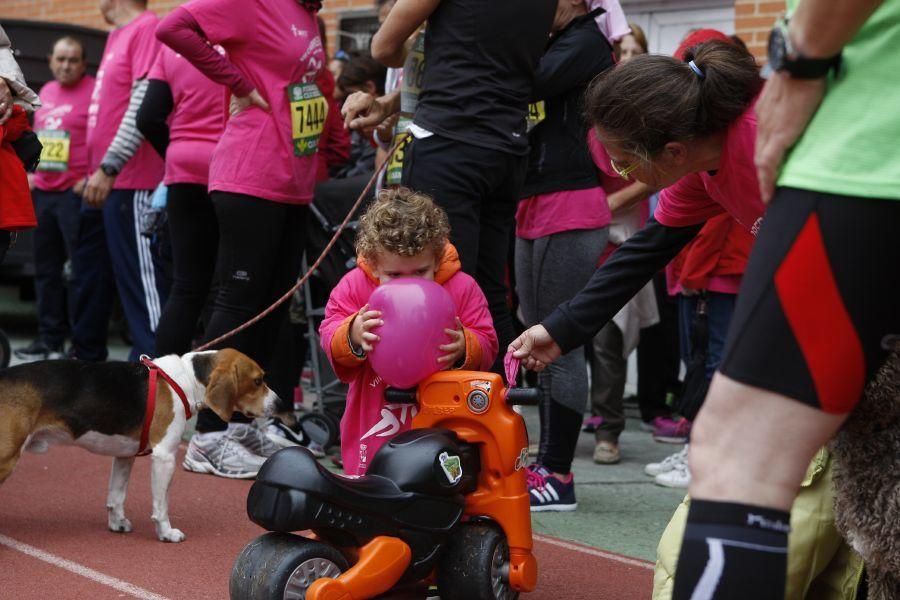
535 348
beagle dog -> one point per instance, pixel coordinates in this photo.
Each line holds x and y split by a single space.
103 407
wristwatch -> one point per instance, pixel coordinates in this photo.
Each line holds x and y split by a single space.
109 170
784 57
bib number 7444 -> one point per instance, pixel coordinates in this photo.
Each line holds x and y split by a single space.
309 109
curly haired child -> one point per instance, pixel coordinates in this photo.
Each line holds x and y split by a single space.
402 234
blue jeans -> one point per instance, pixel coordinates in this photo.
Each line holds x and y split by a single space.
719 309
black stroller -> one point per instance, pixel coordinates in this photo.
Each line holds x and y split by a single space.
333 200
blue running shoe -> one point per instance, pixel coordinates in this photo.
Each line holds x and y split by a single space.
548 492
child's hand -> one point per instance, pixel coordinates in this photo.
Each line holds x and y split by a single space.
456 349
361 334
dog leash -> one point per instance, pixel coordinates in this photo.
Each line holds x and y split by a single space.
154 372
319 260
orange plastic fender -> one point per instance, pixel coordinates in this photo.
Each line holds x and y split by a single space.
522 571
381 564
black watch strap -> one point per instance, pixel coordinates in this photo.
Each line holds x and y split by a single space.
784 57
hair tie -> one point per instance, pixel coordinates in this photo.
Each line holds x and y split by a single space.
696 69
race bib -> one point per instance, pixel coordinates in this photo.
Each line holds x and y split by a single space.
394 169
536 114
55 151
309 109
413 77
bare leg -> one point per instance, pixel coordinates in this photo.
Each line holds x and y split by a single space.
753 446
161 477
115 500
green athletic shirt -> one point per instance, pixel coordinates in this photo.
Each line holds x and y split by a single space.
852 144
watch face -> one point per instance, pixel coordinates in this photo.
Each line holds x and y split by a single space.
777 48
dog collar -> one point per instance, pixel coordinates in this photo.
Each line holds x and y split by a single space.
155 371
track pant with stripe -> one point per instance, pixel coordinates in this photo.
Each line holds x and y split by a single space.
137 270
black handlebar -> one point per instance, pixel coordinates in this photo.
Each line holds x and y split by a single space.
398 396
530 396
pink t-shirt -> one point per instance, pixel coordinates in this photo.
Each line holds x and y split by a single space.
196 122
274 44
734 188
546 214
62 118
128 56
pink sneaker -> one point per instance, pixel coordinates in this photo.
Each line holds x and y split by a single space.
671 431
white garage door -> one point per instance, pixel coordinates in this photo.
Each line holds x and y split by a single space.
667 22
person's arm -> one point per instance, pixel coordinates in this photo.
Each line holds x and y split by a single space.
12 82
128 138
629 268
570 62
388 44
628 196
181 32
818 29
821 28
123 147
153 113
364 111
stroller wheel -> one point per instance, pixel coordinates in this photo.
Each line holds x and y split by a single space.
320 428
475 565
282 566
5 353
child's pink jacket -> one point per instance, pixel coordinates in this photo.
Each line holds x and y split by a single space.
368 422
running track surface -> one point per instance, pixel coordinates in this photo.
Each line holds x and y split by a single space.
54 542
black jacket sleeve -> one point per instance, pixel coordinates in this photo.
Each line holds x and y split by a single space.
572 60
153 113
629 268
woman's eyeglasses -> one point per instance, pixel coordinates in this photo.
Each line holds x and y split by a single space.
624 172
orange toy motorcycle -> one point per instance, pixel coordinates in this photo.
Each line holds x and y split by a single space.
444 502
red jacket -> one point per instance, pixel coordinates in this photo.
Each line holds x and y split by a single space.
16 210
720 249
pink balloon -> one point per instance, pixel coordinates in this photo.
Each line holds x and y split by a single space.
415 313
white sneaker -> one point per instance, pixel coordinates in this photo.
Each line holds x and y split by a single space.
668 464
220 454
679 477
253 439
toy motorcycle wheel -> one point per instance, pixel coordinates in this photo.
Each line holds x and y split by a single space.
282 566
475 565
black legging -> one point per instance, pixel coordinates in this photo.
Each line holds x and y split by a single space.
558 441
194 235
259 257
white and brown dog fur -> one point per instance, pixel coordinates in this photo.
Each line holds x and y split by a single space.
101 407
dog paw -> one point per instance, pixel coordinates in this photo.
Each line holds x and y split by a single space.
119 524
172 535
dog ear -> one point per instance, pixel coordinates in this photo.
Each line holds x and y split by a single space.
221 392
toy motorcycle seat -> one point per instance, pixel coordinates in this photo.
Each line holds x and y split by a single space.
294 492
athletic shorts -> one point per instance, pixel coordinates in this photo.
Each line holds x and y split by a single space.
819 305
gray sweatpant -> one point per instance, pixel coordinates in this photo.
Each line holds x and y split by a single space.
549 271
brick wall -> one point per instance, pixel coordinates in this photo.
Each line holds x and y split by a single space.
85 12
753 19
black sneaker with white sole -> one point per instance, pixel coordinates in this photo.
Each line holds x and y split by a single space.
38 350
284 435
